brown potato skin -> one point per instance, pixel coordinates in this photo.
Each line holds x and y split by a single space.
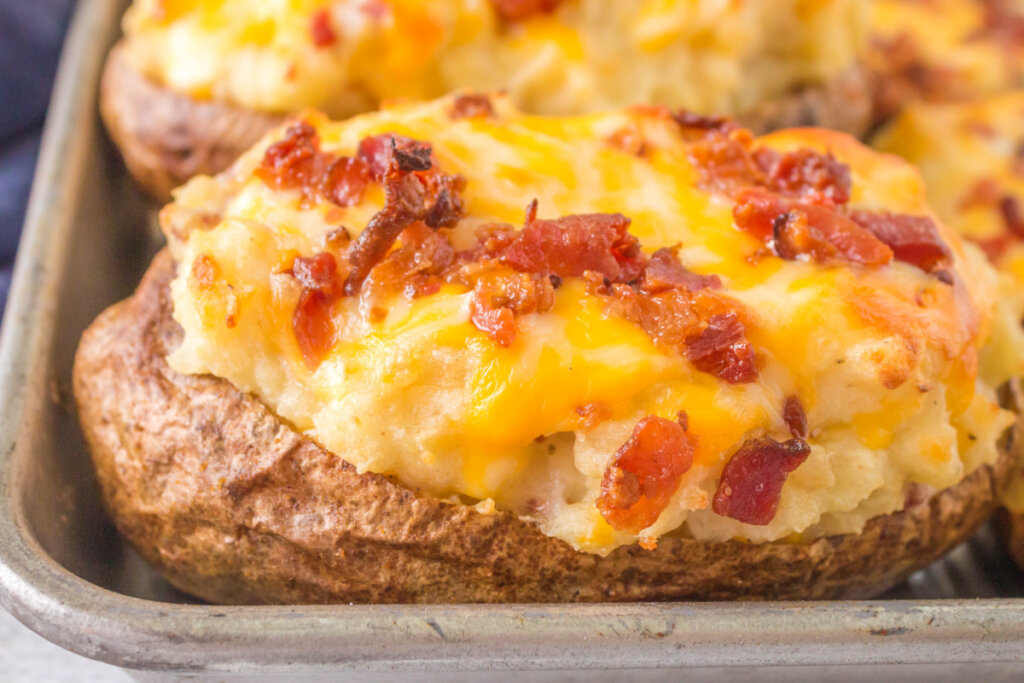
235 507
166 137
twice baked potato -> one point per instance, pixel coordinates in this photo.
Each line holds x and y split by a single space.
195 82
942 51
705 366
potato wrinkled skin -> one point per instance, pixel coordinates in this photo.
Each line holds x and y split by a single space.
233 506
166 137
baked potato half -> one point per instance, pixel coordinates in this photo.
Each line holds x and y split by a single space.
234 506
362 374
192 85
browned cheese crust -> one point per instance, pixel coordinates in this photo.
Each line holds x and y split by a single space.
166 137
234 506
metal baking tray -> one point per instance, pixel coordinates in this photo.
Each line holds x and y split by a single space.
65 573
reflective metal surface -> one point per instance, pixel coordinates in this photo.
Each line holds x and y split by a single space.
64 572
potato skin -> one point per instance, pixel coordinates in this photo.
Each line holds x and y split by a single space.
166 137
235 507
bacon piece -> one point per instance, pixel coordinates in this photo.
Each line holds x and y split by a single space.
296 162
571 245
725 161
592 414
797 229
312 321
471 106
1013 218
722 349
691 122
499 296
795 418
376 151
519 10
410 195
751 482
805 173
320 29
664 271
913 239
418 266
645 472
204 272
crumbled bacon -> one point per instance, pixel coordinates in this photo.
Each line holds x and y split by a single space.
204 272
751 482
411 194
795 418
296 162
592 414
725 161
913 239
519 10
691 122
312 321
471 106
797 229
501 295
805 173
1013 218
321 30
722 349
571 245
645 472
376 152
664 271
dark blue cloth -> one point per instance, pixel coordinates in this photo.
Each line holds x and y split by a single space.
31 35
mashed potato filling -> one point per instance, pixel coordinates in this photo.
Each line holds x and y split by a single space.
346 56
883 359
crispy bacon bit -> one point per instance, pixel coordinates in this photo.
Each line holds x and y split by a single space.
725 161
312 321
691 122
797 229
629 139
376 151
913 239
664 271
418 265
1009 208
204 272
296 162
722 349
644 474
795 418
413 191
592 414
520 10
499 297
570 245
471 106
805 173
320 29
752 480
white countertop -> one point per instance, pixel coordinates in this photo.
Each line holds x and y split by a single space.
25 656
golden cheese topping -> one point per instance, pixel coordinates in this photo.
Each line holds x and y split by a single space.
689 331
569 56
972 158
943 50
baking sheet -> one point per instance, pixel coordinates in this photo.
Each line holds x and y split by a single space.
65 573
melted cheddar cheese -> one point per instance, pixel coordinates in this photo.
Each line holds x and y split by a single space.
705 55
884 359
